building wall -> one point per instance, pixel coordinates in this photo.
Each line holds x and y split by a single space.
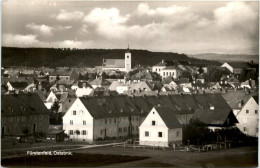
116 127
53 78
128 62
175 135
153 138
248 122
82 114
116 69
14 125
226 65
158 69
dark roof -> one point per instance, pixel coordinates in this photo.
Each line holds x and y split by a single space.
114 106
127 50
81 83
234 97
256 99
22 104
166 63
168 116
100 81
19 85
62 72
240 64
114 63
213 117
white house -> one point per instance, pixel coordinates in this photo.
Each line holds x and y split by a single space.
237 67
248 117
160 128
78 123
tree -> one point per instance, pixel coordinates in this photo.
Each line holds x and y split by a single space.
55 106
196 130
200 70
186 74
104 75
57 77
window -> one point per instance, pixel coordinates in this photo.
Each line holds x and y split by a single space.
247 111
74 112
153 122
177 133
115 120
156 69
163 73
133 128
71 122
120 130
159 134
153 112
71 132
244 129
146 134
67 78
69 100
10 119
110 120
84 132
136 118
256 111
125 129
84 122
105 121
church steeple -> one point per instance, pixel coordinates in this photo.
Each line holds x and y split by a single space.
128 50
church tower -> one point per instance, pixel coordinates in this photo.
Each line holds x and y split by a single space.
128 61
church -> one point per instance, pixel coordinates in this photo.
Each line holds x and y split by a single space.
118 64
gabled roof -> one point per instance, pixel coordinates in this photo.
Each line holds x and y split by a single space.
249 82
213 117
114 106
166 63
233 98
62 72
171 68
140 85
183 80
114 63
100 81
22 104
168 117
19 85
240 64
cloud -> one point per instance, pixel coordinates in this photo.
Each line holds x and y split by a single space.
234 13
144 9
42 29
69 16
19 40
108 22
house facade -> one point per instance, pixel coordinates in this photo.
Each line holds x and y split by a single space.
160 128
248 117
23 112
63 74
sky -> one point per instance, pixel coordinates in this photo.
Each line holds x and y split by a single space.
182 27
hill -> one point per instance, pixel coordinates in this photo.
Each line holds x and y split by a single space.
53 57
226 57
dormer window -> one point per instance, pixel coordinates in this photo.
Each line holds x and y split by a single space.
153 122
10 109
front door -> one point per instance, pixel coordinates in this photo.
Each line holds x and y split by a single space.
3 130
34 127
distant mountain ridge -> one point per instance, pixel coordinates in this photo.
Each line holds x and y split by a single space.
55 57
226 57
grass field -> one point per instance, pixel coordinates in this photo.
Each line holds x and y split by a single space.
129 157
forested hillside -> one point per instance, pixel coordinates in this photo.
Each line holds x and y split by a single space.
52 57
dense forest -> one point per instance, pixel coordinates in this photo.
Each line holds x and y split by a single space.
53 57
